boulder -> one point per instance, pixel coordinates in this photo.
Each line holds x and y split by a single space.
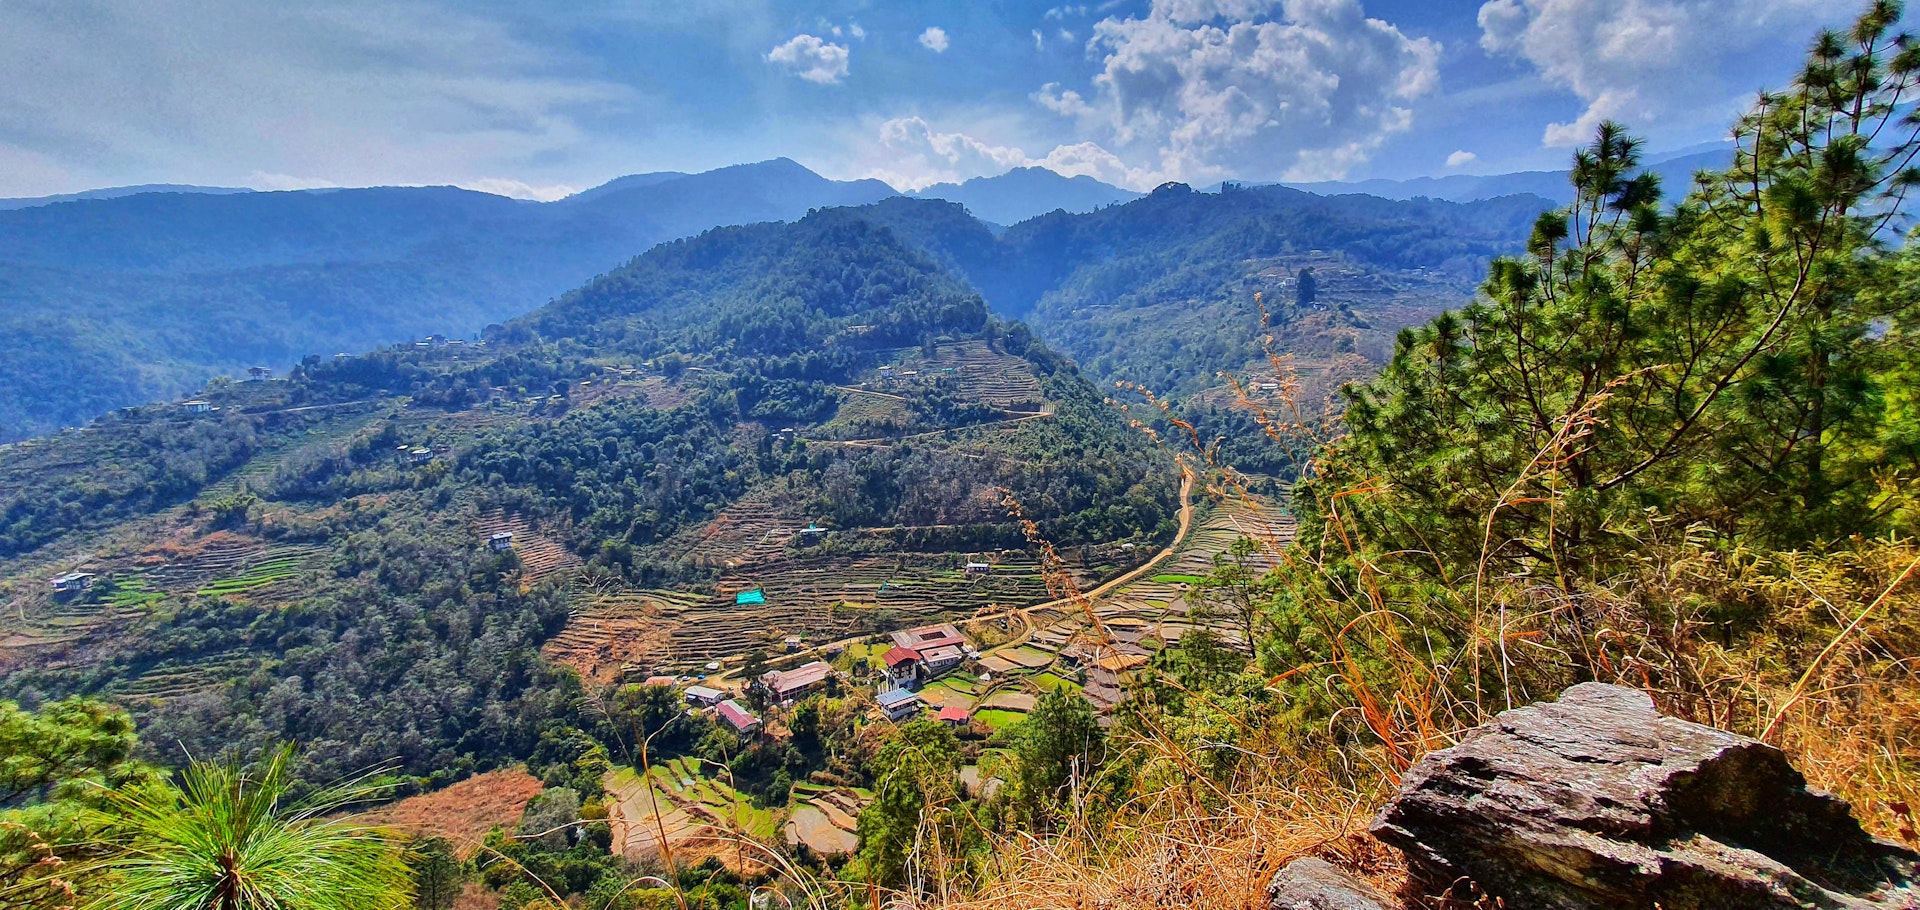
1598 800
1315 884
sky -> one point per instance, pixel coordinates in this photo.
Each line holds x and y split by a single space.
541 98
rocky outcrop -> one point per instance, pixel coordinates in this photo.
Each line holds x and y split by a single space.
1598 800
1315 884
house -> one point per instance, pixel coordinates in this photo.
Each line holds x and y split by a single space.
1107 677
73 582
197 406
785 684
259 373
501 542
903 667
704 696
1113 669
928 637
811 534
667 681
924 653
738 717
955 716
978 569
419 455
750 598
940 660
899 704
790 644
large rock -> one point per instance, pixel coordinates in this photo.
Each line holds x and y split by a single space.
1600 801
1315 884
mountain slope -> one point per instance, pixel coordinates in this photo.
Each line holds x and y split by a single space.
111 302
115 192
312 560
1026 192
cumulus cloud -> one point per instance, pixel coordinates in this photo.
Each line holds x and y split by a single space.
1647 62
1227 87
911 155
1066 102
934 39
811 58
1460 158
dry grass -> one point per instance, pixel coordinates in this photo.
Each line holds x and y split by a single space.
1834 681
463 812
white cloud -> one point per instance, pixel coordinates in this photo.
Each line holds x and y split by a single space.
1039 41
855 29
934 39
1065 102
206 91
261 180
1650 63
912 155
516 189
1223 87
1062 12
811 58
1460 157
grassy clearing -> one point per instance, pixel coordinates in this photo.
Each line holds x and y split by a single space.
255 576
1051 682
134 594
1174 579
998 718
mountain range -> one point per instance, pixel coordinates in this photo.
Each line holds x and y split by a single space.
121 298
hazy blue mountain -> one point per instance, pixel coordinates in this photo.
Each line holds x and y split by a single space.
111 302
1025 192
116 192
1675 169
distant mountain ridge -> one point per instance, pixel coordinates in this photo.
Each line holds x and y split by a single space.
1676 175
108 302
117 192
1027 192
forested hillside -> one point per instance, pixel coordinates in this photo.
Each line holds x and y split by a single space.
112 302
309 560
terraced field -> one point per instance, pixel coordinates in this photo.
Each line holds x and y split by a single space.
274 571
825 819
542 556
819 598
681 800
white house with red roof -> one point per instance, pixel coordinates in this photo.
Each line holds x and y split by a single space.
924 653
737 716
903 666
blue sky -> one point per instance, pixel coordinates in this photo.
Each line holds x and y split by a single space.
537 99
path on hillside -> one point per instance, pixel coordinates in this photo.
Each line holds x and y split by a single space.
1111 585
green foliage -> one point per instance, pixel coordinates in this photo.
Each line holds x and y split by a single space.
911 821
57 765
227 839
1644 368
437 873
1057 749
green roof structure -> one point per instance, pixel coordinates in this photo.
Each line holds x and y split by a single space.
755 596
